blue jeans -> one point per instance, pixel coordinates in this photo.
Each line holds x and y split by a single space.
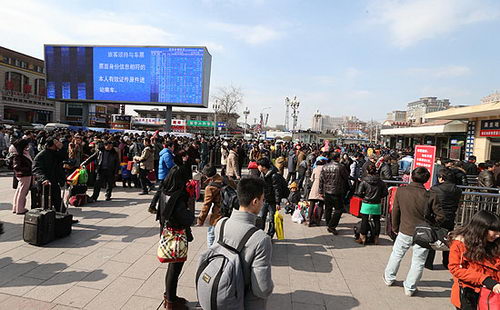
401 245
210 235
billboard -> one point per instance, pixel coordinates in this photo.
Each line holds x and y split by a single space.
178 76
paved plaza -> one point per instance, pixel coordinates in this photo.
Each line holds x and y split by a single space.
109 262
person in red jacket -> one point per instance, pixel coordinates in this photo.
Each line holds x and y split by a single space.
475 259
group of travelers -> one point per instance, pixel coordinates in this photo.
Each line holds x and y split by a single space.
324 176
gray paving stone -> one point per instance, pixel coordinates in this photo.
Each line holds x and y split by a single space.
116 294
77 296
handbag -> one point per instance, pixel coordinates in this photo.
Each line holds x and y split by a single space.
488 300
429 236
173 247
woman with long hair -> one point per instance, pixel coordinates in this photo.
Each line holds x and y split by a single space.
22 163
475 259
174 214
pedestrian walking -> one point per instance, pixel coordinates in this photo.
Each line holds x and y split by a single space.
412 204
22 163
372 190
333 185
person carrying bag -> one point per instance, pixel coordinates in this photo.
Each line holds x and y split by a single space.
175 219
475 263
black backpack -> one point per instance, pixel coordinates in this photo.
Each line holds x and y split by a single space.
229 199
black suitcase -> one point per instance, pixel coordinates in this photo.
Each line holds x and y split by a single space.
64 220
38 228
39 223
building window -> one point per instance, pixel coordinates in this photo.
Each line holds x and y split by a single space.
23 64
16 63
74 109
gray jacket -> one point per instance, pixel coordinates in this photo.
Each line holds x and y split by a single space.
256 257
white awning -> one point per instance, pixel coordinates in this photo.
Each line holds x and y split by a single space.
466 113
451 127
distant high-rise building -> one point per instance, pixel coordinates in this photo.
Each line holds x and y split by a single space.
418 109
329 124
396 116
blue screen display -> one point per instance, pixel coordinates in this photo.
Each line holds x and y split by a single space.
173 75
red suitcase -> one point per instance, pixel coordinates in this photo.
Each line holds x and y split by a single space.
355 206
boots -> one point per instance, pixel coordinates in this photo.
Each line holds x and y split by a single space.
361 240
179 304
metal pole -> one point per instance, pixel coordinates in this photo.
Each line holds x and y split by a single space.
168 118
215 123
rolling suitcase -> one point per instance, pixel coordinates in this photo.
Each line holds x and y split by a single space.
63 221
355 206
39 223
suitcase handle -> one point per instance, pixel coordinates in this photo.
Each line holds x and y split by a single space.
46 197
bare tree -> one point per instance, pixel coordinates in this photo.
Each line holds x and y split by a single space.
229 99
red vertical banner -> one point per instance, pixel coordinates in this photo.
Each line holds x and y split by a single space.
425 156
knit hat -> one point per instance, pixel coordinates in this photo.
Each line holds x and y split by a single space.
293 185
209 171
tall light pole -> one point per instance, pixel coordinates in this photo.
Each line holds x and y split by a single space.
246 113
216 107
294 105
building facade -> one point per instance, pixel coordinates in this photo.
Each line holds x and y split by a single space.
396 116
416 110
483 126
231 120
329 124
23 90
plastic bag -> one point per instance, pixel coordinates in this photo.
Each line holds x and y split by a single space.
278 225
83 176
297 216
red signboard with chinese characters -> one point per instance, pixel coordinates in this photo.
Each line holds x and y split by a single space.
490 128
425 156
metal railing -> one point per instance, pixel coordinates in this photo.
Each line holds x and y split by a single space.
473 200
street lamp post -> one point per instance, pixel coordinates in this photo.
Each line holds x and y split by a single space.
246 113
216 106
294 105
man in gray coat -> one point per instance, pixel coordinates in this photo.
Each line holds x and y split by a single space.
256 254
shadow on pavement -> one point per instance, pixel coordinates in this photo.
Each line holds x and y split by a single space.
303 299
49 271
304 258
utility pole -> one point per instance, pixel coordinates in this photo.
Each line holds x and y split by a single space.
216 107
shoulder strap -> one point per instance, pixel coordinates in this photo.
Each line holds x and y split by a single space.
243 241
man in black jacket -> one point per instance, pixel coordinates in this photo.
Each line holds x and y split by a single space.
48 170
471 167
107 166
449 197
486 177
333 185
273 193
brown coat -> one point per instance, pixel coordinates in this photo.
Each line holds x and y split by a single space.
410 205
316 174
232 169
146 159
300 158
212 201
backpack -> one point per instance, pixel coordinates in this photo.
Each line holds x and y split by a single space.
229 199
220 282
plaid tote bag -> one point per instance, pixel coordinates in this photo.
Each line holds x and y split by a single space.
173 247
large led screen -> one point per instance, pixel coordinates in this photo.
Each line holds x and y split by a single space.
128 74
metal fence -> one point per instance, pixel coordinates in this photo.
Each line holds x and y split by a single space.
473 200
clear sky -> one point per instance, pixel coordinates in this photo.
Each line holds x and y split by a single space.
356 57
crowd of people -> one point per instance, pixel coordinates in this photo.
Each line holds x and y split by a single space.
278 174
